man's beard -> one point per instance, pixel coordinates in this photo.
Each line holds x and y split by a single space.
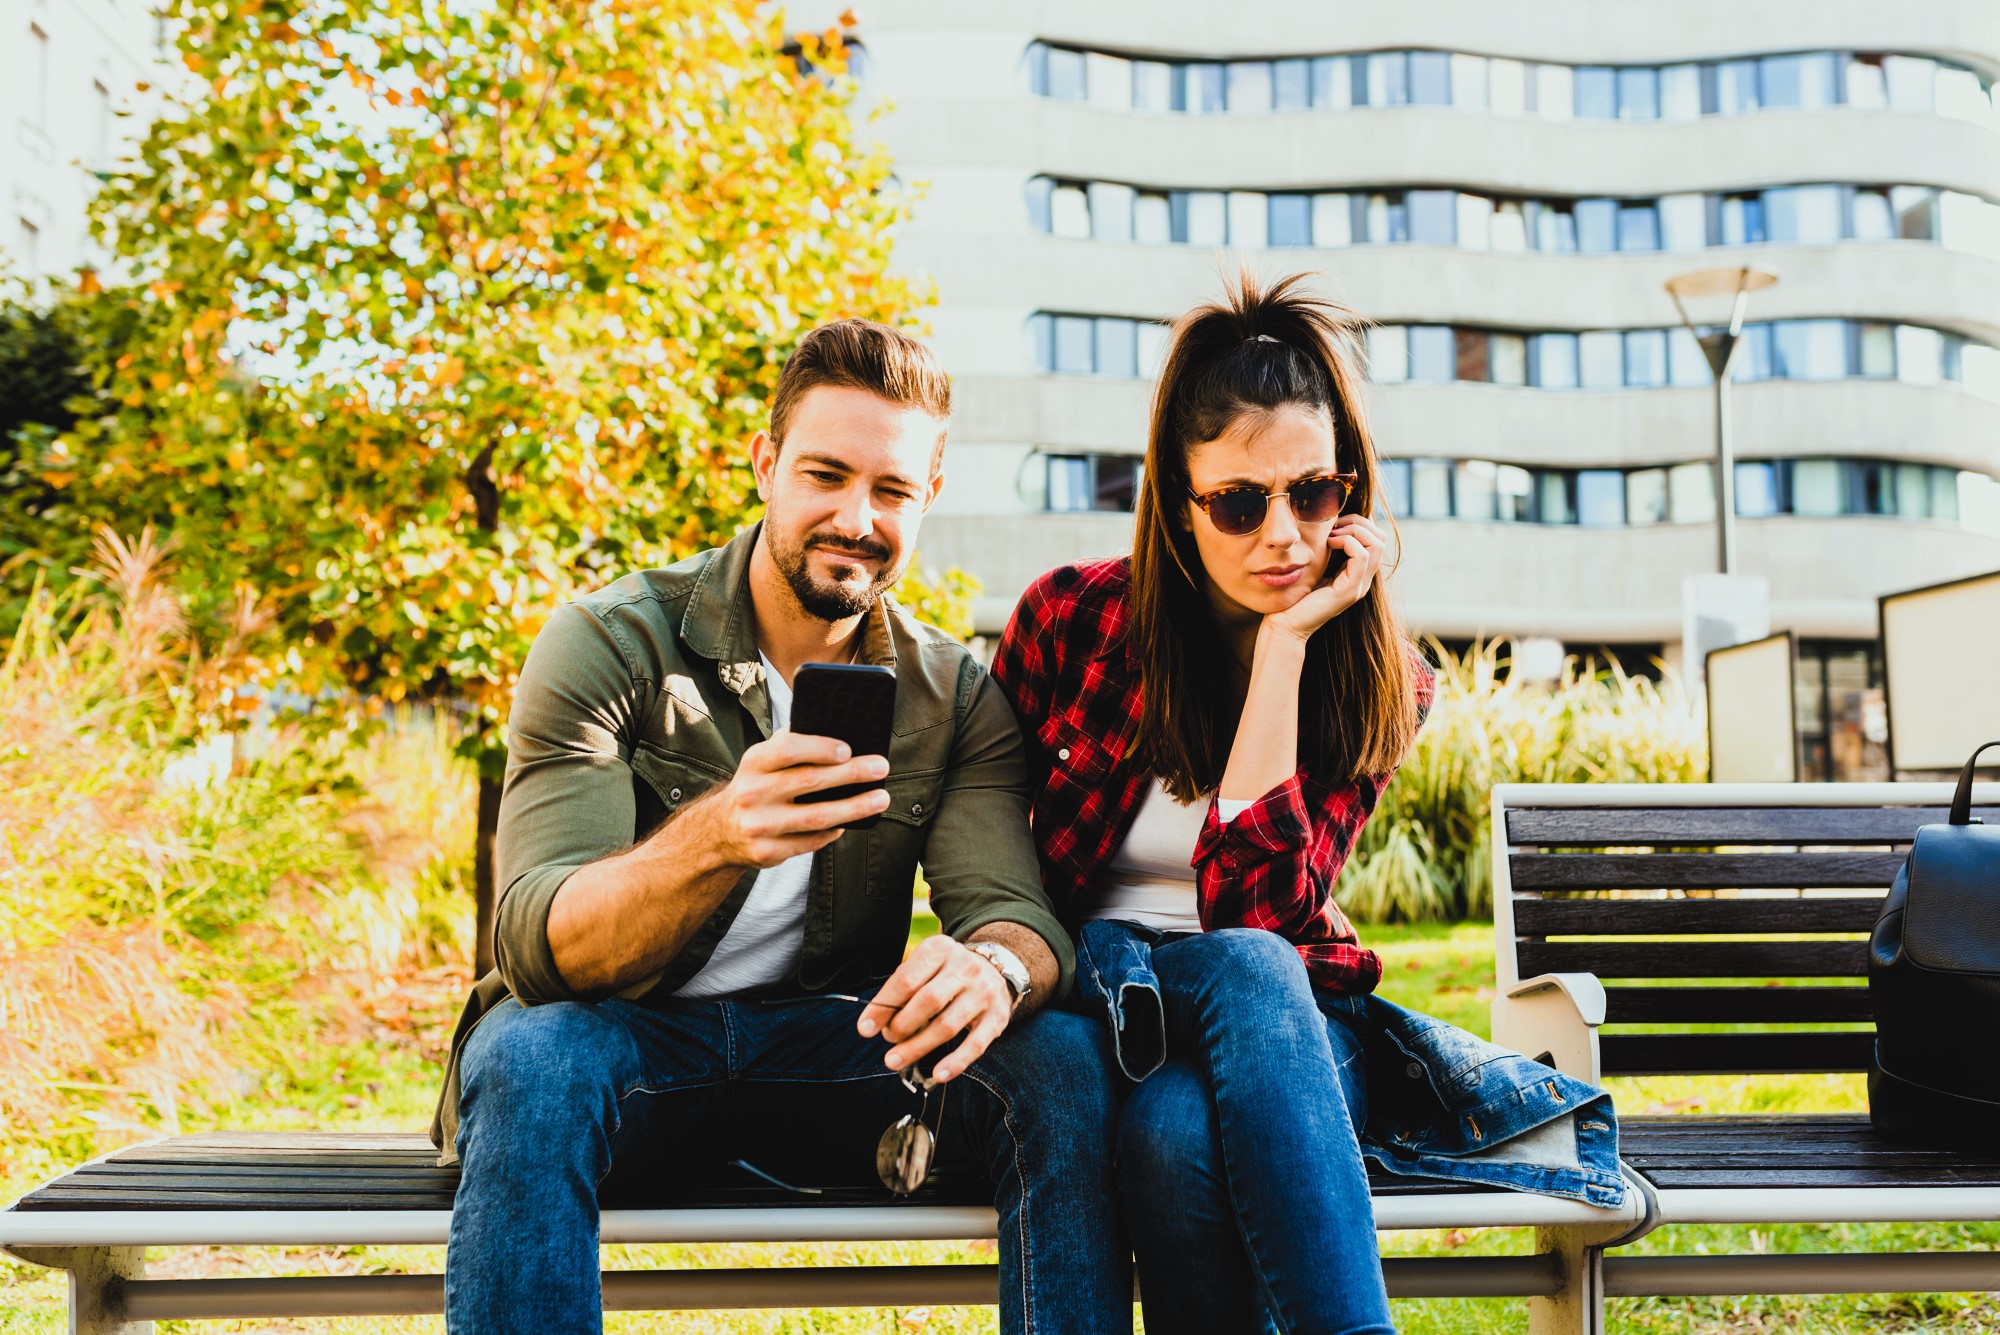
831 600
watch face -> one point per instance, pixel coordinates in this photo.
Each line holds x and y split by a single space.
1012 971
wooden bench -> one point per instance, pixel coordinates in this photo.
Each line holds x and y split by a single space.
252 1190
1727 905
1572 865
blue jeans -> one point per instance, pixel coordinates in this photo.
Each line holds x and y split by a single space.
568 1105
1238 1159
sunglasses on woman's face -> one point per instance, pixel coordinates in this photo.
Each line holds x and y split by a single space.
1239 510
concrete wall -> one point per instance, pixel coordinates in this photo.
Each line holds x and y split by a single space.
59 98
965 127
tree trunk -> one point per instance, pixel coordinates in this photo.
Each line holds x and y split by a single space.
482 871
486 513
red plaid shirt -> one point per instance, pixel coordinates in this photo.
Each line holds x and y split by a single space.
1077 694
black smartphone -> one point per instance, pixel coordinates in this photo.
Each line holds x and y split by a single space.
853 702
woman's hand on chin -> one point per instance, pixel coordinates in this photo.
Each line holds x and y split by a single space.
1362 542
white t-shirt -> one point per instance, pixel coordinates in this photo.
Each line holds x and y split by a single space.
1150 879
762 946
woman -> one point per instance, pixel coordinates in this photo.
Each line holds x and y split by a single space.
1212 721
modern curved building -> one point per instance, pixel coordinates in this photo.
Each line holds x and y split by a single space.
1504 188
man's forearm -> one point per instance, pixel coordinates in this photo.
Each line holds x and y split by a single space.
1032 951
627 916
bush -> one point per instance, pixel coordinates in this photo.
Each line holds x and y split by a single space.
1426 853
181 903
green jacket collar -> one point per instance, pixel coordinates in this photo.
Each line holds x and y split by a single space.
720 625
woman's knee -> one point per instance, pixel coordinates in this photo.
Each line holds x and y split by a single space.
1241 957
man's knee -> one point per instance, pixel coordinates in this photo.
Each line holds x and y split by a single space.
1054 1064
536 1062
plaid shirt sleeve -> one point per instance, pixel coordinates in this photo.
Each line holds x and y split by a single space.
1275 865
1025 667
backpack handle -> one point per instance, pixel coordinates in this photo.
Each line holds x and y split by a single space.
1961 801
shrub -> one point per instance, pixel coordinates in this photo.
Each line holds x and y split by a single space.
170 893
1426 853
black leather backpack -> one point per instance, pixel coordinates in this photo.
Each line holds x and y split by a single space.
1934 978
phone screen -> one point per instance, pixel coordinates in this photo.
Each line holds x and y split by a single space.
852 702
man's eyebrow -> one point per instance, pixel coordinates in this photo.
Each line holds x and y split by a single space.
842 466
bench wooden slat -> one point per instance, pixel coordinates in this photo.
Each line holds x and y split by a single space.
1736 1005
1704 871
1736 1054
1696 959
1694 917
1585 826
215 1179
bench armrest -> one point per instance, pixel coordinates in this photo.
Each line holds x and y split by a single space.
1553 1018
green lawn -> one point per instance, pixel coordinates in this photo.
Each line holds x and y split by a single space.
383 1083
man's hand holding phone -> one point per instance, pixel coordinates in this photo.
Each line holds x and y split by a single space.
757 818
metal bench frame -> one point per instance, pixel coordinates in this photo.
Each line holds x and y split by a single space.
1559 1014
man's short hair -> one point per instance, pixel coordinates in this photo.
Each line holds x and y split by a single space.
861 354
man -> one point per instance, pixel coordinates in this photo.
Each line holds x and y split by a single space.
678 940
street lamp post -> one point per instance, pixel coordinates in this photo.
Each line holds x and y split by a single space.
1719 347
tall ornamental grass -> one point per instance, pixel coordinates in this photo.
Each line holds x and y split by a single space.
179 902
1426 854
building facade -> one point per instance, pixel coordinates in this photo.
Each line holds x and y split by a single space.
1503 188
78 81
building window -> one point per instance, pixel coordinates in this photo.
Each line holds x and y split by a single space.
1075 345
1808 80
31 249
1152 86
1430 78
1600 497
1475 490
38 77
1757 490
1291 85
1249 85
1646 497
1064 78
1291 220
1638 94
1080 483
1430 489
1395 475
1433 353
101 153
1596 93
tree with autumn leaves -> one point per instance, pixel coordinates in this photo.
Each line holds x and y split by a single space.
443 314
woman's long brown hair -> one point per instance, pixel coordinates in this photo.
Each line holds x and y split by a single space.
1357 706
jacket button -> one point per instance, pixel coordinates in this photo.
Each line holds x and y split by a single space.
1063 754
1415 1070
674 796
916 808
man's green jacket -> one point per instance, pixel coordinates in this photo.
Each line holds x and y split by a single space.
637 699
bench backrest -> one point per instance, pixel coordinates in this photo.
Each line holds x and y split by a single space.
1709 904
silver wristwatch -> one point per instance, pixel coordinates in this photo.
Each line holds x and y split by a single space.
1012 971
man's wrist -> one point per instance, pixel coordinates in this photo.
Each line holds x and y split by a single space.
1012 969
693 838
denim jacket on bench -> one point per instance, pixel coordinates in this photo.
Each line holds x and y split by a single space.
1442 1103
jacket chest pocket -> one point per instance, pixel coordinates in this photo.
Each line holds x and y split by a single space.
672 780
1079 760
